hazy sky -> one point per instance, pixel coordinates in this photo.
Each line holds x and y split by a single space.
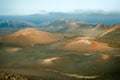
21 7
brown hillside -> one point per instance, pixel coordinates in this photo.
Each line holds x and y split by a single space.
30 36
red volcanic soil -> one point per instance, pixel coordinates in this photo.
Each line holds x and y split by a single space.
85 44
30 36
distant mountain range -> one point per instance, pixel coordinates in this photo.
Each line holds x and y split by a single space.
89 17
15 24
74 27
